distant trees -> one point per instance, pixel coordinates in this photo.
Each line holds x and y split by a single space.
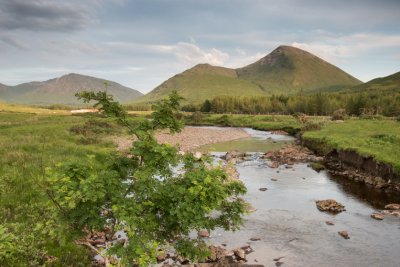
353 103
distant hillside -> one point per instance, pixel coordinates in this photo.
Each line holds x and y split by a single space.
286 70
202 82
62 90
391 82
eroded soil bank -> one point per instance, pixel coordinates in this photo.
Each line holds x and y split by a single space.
357 167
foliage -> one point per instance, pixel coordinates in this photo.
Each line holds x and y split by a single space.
157 196
353 103
339 114
196 118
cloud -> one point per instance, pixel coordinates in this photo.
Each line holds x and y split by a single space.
333 48
43 15
12 40
190 54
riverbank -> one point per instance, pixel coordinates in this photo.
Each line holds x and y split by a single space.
362 150
191 138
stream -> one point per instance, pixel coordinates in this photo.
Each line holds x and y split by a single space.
288 223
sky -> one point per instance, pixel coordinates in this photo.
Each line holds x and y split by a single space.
141 43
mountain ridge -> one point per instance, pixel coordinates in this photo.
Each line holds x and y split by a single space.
286 70
61 90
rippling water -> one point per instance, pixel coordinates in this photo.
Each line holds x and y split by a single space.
289 224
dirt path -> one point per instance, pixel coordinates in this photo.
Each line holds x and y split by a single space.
191 138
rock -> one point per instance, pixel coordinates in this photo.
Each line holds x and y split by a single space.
317 166
239 253
278 263
203 233
255 239
329 223
392 206
279 258
161 255
391 212
234 155
263 189
197 155
274 180
330 205
377 216
344 234
247 249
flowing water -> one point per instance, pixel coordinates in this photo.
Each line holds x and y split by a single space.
288 223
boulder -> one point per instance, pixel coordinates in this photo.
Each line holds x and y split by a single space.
234 155
392 206
330 205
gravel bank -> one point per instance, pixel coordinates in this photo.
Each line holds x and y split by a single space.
191 138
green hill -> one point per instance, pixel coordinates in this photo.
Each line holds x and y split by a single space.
286 70
391 82
62 90
202 82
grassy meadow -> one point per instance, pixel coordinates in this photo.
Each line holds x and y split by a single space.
379 138
32 139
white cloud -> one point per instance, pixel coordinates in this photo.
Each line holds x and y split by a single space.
333 48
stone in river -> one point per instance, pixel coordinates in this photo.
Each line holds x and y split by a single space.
204 233
392 206
377 216
344 234
330 205
329 223
273 179
263 189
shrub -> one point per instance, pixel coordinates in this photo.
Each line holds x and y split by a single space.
339 114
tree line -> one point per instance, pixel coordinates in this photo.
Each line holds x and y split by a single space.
385 103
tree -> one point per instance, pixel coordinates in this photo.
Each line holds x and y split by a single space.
206 107
157 196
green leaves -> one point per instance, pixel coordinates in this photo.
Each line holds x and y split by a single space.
157 196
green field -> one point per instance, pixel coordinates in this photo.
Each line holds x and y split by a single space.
29 143
38 138
377 138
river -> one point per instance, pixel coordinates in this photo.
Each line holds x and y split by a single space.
288 223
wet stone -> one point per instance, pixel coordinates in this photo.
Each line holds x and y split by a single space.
344 234
377 216
329 223
263 189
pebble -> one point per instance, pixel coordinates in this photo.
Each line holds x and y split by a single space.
344 234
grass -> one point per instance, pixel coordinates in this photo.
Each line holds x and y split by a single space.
377 138
30 140
5 107
203 82
259 122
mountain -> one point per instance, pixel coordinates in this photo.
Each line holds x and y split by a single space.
286 70
62 90
202 82
391 82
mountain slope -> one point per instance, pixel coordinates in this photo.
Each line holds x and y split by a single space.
62 90
203 82
391 82
288 69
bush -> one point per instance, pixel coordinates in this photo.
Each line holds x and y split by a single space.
311 126
196 117
224 120
339 114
